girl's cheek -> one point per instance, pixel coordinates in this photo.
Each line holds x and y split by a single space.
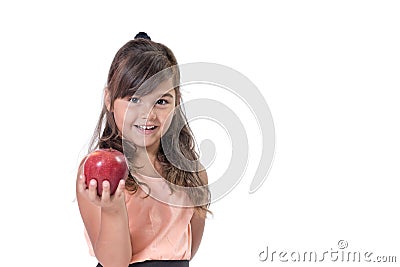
118 121
167 123
121 116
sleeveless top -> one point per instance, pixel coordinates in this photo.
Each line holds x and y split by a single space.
158 230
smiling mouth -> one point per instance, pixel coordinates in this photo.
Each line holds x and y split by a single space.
146 129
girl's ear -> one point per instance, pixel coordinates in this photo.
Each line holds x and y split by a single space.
107 99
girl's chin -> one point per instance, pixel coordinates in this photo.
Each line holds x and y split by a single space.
142 143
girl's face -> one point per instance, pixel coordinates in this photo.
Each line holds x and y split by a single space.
143 120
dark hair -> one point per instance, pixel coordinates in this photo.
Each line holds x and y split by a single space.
142 35
134 64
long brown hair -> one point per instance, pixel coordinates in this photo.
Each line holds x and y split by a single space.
134 63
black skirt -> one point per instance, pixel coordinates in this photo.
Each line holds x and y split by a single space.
158 263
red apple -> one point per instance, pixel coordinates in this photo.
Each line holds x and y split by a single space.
105 164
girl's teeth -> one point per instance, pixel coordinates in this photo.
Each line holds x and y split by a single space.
147 127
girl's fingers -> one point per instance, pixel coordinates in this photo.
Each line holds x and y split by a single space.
81 184
105 195
120 188
93 190
90 190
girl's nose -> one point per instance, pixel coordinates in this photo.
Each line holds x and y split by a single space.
149 114
152 115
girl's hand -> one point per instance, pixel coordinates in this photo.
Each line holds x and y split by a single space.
105 201
106 221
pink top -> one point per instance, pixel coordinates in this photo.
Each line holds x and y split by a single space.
158 231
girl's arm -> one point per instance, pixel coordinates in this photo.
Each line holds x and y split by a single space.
106 222
197 222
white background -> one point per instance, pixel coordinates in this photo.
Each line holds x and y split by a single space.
329 71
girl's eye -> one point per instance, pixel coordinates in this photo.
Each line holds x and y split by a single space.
162 102
134 99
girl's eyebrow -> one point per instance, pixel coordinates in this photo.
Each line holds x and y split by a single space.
167 95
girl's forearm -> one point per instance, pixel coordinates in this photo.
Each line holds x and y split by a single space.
113 246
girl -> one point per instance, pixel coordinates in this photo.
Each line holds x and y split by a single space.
156 216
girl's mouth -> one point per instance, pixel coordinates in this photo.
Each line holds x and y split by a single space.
146 129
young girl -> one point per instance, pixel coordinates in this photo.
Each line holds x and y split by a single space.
149 220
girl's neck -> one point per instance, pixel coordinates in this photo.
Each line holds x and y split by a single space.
147 163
